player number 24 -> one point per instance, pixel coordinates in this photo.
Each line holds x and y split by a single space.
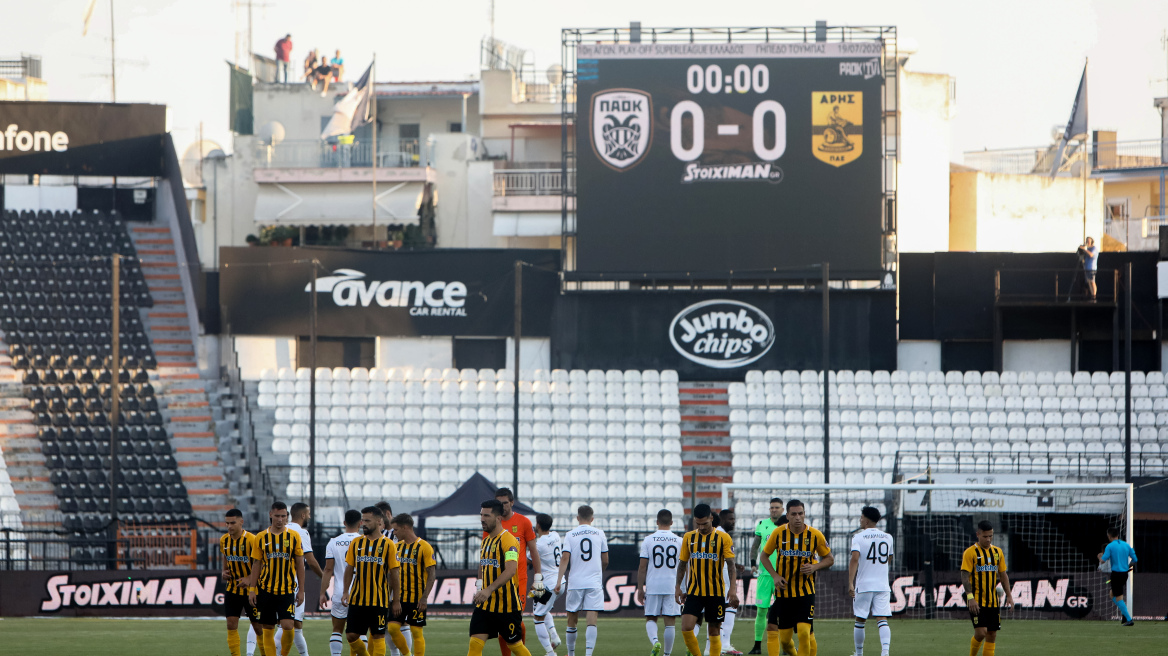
878 555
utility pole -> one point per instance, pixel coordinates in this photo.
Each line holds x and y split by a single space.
312 396
113 59
517 337
826 337
115 398
373 102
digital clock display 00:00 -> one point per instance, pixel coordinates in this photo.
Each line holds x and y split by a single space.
711 79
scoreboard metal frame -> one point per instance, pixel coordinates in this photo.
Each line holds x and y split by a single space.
571 38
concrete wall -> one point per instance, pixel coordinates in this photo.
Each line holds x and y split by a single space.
1036 355
534 353
1022 213
1142 196
296 106
963 211
417 352
434 115
259 353
922 355
922 180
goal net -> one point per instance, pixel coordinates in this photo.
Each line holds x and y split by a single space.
1050 529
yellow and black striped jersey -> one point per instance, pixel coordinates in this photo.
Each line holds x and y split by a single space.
705 555
493 557
372 559
278 551
414 559
237 559
794 551
983 566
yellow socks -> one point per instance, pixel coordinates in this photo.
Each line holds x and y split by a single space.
377 646
233 642
419 641
715 642
989 648
787 639
974 645
519 649
691 642
399 640
357 648
287 638
476 647
260 643
814 646
772 641
269 641
804 631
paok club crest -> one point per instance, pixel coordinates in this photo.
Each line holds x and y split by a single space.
622 122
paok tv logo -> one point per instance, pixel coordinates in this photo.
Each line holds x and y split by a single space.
438 298
622 126
722 334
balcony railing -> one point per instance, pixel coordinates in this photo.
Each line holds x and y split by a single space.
532 182
1104 156
314 153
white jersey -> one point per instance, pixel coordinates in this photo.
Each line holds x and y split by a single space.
661 549
305 541
549 547
337 549
875 549
584 544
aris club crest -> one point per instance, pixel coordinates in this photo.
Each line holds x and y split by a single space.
622 122
837 126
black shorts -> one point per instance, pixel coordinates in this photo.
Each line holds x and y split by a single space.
411 615
237 605
274 608
989 619
786 612
1118 584
713 609
367 619
508 626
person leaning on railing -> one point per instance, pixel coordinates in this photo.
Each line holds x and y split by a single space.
1089 256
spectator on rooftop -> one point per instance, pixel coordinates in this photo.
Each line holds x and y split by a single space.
338 64
309 65
283 58
322 73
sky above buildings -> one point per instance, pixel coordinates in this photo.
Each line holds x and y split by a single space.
1017 62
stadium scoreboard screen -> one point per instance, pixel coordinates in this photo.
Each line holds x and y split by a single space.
706 157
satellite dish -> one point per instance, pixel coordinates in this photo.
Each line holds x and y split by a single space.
270 133
555 74
191 163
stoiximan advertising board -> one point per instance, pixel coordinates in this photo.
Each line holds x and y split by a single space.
712 157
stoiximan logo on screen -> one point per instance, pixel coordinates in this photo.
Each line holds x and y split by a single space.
722 334
622 126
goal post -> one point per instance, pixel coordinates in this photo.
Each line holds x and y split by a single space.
1050 530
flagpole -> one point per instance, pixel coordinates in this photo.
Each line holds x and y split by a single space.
373 101
1086 156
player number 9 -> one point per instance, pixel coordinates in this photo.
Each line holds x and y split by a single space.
585 549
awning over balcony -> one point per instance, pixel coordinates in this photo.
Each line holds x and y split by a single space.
337 204
530 224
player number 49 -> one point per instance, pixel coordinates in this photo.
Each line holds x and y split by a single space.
878 555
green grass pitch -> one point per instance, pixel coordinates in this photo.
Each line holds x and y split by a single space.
616 637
